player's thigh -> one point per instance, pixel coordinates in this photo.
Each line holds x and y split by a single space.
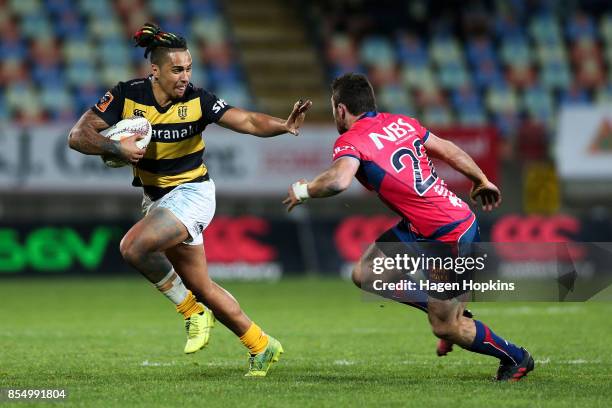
388 245
159 230
193 204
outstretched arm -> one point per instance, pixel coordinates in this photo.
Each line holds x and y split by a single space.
332 181
262 125
459 160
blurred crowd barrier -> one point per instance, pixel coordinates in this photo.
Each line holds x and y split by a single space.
38 159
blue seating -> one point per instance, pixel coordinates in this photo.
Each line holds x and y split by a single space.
515 50
445 49
35 25
70 25
22 99
81 72
507 123
4 112
575 96
545 27
472 116
201 8
418 75
480 49
410 49
501 98
538 101
466 97
453 75
97 9
395 98
57 101
86 95
377 51
556 75
580 25
487 74
22 8
507 26
210 29
93 47
12 49
58 7
524 61
48 75
438 116
175 24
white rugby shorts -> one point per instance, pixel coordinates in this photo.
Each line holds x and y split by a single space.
192 203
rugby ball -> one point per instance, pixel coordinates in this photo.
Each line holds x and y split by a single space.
126 128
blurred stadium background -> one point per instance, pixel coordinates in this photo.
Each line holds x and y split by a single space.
524 86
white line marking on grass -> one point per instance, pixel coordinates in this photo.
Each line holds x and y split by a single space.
544 361
148 363
220 363
445 362
344 362
528 310
580 361
468 362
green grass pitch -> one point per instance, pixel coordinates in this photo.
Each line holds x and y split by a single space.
117 342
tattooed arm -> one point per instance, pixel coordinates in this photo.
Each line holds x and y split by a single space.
85 137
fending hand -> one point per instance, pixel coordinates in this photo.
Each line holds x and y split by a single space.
297 116
489 194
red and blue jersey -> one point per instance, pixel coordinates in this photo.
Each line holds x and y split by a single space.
394 163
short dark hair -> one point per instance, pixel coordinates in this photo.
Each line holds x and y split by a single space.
355 92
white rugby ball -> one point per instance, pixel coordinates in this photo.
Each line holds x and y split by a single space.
125 128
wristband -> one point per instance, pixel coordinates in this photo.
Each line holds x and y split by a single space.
301 191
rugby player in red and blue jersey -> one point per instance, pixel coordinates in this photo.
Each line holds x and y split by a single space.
389 154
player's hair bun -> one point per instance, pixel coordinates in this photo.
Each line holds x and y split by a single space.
146 35
150 36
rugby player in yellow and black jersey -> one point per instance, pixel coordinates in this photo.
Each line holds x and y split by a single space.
175 153
166 245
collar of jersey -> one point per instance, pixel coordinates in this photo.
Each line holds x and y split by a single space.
370 114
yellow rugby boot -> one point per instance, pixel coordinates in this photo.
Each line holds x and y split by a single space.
198 327
259 364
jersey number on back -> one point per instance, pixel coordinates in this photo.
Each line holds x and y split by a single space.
421 186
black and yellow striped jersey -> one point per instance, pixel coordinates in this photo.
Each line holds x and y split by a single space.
175 154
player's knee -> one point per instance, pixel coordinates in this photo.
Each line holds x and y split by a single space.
125 247
131 251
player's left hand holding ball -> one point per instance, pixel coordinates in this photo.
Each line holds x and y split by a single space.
298 193
132 136
489 194
297 116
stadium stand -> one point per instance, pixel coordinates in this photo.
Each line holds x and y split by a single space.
507 63
494 62
58 56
